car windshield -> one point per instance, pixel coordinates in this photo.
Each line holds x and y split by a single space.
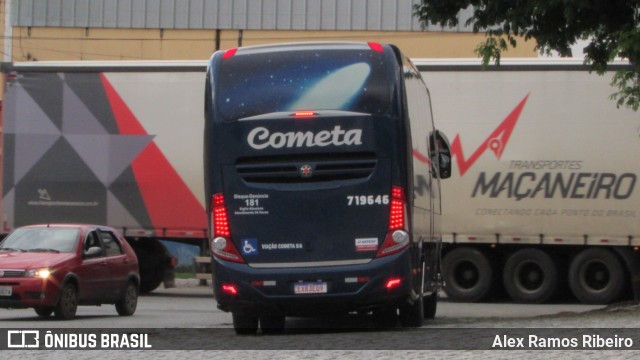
42 239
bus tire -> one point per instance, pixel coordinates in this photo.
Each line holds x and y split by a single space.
385 317
467 274
412 315
430 306
245 324
596 276
530 276
272 324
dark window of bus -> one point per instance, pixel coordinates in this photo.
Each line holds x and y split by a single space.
303 80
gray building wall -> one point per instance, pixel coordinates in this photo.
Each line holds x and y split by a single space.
375 15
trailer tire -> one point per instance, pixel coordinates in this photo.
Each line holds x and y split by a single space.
596 276
152 258
530 276
467 274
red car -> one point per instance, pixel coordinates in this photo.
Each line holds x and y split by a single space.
55 268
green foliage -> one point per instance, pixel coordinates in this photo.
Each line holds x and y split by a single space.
612 28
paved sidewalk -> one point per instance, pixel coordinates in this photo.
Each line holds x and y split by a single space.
186 287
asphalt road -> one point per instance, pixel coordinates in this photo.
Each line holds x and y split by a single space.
192 306
186 318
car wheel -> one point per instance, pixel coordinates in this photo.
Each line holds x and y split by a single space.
129 302
68 303
245 324
43 311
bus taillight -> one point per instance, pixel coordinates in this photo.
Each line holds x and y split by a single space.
221 244
229 53
397 212
376 46
304 114
397 237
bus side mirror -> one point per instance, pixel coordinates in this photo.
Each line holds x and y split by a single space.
440 155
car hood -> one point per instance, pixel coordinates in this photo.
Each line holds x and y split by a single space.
31 260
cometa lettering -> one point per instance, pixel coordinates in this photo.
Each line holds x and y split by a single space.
555 185
261 138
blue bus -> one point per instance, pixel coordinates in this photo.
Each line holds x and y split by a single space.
322 168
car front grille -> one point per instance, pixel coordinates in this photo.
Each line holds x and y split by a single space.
11 273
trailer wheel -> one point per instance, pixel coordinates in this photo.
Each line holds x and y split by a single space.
152 260
530 276
467 274
596 276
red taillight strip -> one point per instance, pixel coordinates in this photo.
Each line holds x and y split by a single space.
229 53
393 283
304 114
230 289
376 47
397 222
220 218
221 229
397 213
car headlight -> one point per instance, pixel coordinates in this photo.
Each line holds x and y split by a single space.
38 273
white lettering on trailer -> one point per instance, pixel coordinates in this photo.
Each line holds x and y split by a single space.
260 138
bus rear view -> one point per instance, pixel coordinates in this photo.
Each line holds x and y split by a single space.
309 178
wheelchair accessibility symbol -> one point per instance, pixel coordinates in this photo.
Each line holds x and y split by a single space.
249 246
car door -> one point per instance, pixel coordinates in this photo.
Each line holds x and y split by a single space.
117 262
94 269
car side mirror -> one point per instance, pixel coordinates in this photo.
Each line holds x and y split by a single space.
92 252
440 155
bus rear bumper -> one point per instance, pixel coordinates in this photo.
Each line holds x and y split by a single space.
314 291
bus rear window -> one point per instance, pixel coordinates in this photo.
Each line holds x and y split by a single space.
355 80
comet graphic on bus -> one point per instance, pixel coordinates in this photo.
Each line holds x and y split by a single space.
496 141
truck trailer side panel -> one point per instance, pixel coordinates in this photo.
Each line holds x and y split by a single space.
108 143
544 165
117 148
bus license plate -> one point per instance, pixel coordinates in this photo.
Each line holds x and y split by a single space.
6 290
310 288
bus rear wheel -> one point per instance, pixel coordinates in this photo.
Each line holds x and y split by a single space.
272 324
245 324
430 306
412 315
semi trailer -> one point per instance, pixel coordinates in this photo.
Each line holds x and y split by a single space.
544 195
113 143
